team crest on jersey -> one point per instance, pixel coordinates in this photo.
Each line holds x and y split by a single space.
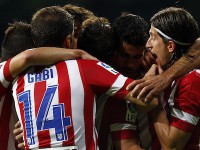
107 67
59 136
131 113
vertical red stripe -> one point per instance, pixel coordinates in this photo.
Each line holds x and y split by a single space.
44 139
39 90
64 94
88 114
4 122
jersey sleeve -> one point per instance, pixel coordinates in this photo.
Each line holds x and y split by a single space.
104 79
185 112
122 118
5 76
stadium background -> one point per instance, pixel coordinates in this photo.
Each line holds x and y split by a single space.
23 9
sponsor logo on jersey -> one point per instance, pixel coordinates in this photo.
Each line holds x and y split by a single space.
131 113
107 67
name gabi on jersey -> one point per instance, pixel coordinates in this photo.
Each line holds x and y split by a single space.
38 77
107 67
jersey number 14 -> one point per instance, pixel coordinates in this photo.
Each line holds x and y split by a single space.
59 121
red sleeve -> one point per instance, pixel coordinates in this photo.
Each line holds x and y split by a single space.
5 77
104 79
185 112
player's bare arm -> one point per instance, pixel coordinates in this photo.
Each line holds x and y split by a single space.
169 136
44 56
127 144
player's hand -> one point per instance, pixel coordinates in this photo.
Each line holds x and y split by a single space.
18 132
85 55
149 60
150 86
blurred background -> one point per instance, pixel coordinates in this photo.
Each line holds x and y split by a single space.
22 10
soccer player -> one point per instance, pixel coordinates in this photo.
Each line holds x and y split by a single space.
62 114
17 39
116 120
172 31
91 38
149 87
79 14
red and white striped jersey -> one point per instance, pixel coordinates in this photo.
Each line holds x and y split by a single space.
56 105
185 103
7 111
116 120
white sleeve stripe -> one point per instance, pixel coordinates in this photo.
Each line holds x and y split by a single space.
117 85
184 116
2 78
121 126
198 70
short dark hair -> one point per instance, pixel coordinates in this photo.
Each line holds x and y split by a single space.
131 29
97 39
178 24
50 26
79 14
17 39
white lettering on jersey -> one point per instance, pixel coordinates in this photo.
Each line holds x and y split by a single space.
37 77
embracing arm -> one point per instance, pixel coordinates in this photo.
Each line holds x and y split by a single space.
43 56
140 105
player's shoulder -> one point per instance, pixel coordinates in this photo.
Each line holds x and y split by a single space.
100 66
192 78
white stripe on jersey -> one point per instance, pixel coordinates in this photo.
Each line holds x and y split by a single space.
117 85
2 78
121 126
55 101
101 101
77 100
94 117
185 116
197 70
11 142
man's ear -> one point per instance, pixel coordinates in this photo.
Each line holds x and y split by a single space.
171 46
67 42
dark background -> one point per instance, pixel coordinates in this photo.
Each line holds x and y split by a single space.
22 10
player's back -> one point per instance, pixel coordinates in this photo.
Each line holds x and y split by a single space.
52 101
57 104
